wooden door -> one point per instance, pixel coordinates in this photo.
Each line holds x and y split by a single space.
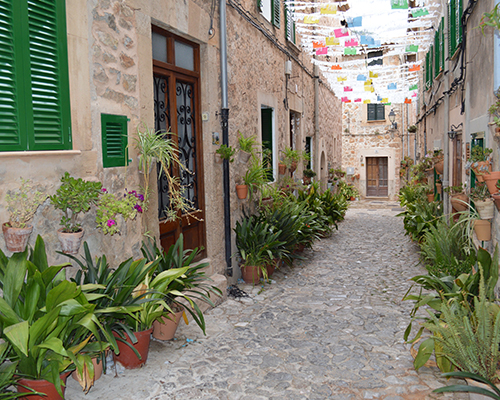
377 177
177 110
457 160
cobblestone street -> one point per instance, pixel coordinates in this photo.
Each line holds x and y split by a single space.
330 328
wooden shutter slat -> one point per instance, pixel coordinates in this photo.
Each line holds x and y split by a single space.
380 110
371 112
114 140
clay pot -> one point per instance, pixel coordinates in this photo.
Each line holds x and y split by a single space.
97 373
281 169
166 330
299 247
459 202
293 167
491 181
251 273
480 168
127 357
439 166
430 197
439 188
485 208
243 157
217 158
271 267
42 386
242 191
16 238
306 180
70 242
496 200
482 227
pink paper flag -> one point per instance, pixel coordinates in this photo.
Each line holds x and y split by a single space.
345 99
341 32
347 89
351 43
323 50
357 100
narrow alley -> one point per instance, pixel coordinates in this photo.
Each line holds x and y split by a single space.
330 328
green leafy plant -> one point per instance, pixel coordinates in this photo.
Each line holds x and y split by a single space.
419 216
256 176
494 109
226 152
73 197
494 393
491 18
110 205
23 203
478 154
455 189
309 173
480 192
412 128
247 144
290 157
7 375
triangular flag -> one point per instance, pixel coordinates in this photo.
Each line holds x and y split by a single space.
344 7
336 67
399 4
347 89
311 19
341 78
385 100
361 78
412 48
328 9
392 86
386 104
379 98
332 41
375 44
419 12
414 87
407 101
366 101
351 43
318 44
341 32
345 100
350 51
323 50
373 75
357 100
415 68
354 22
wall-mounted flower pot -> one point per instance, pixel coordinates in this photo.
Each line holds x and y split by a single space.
482 227
439 166
42 386
127 356
243 157
430 197
481 168
217 158
242 191
16 238
485 208
166 330
293 167
306 180
491 180
459 202
496 200
70 242
251 273
281 169
439 188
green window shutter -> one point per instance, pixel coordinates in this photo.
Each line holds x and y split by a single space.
458 21
10 123
49 75
427 83
290 25
276 5
441 45
452 39
380 112
266 115
371 112
436 53
114 140
259 5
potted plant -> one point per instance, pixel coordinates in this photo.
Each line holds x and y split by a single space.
246 147
483 203
458 198
412 128
438 160
21 206
429 192
253 180
480 162
291 158
109 206
496 195
73 197
494 110
308 175
224 152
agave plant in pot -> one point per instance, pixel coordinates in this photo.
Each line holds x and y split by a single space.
483 203
480 162
21 206
73 197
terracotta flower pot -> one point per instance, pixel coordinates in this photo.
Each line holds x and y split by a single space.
166 330
293 167
491 181
459 201
485 208
42 386
251 273
481 168
439 166
496 200
430 197
16 238
300 247
281 169
242 191
127 357
70 242
439 188
97 374
243 157
271 267
482 227
306 180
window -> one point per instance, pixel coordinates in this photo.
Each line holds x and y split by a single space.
114 140
373 54
290 25
454 25
34 95
376 112
267 140
270 9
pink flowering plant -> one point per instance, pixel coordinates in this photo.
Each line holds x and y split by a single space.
110 206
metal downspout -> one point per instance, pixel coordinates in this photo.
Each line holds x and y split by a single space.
225 137
317 165
446 120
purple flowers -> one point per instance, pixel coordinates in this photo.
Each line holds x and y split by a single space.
104 190
138 208
111 222
140 197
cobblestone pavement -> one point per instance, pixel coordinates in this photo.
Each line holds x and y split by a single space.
330 328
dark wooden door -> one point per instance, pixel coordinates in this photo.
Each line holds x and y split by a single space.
457 160
177 110
377 177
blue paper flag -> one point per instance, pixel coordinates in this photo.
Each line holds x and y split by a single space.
361 78
367 40
392 86
356 22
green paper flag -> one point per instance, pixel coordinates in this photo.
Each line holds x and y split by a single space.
399 4
350 51
412 48
420 12
414 87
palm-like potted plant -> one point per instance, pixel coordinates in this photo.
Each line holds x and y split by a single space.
74 196
291 158
308 175
255 177
21 206
483 203
247 145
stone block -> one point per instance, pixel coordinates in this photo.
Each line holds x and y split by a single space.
107 40
126 61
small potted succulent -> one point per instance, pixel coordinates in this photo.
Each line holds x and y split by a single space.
21 206
308 175
224 152
483 203
480 162
73 197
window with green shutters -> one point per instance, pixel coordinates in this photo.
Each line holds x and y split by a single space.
375 112
458 22
441 45
428 69
270 9
276 5
452 39
114 140
34 95
290 25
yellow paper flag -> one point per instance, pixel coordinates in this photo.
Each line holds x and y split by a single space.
332 41
373 75
341 79
311 19
385 100
366 101
369 89
368 82
329 9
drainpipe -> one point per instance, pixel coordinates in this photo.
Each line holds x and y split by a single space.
496 57
446 119
316 121
403 129
225 137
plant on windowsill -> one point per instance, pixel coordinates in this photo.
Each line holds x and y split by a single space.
74 196
224 152
21 206
247 145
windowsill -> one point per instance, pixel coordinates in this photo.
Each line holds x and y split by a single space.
293 46
378 121
48 153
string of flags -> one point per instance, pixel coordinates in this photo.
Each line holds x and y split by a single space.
370 50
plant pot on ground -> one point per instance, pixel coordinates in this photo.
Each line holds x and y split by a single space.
165 328
43 386
133 354
21 206
73 197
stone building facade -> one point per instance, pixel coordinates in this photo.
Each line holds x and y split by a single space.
114 68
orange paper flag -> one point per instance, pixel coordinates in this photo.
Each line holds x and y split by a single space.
336 67
415 68
407 101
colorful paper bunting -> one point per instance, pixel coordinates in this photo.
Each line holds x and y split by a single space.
332 41
336 67
373 75
351 43
366 40
366 101
347 89
377 43
368 82
379 98
419 12
385 100
386 104
318 44
407 101
414 94
323 50
392 86
357 100
361 78
415 68
341 32
311 19
329 9
399 4
414 87
345 100
341 78
412 48
350 51
354 22
369 89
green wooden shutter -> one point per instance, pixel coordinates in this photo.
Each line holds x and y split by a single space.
114 140
458 21
441 45
427 81
452 39
10 123
371 112
259 5
289 25
380 112
48 59
436 53
276 5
